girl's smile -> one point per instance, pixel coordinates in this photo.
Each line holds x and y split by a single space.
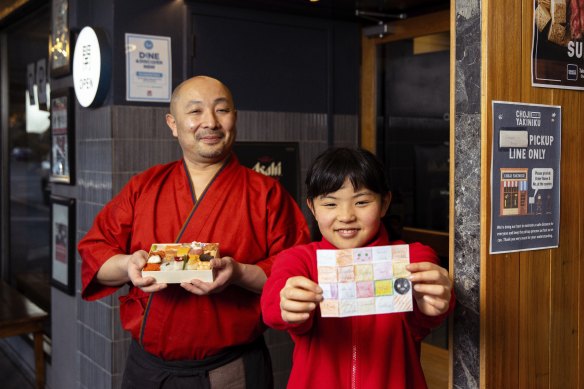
349 217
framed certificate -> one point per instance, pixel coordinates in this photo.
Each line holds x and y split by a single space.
59 44
62 142
63 243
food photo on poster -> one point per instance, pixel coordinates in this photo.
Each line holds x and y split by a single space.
558 44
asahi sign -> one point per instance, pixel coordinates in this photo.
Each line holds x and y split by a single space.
279 160
274 169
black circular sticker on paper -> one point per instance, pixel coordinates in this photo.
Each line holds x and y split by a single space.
402 285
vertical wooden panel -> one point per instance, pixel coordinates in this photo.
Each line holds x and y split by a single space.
535 266
547 331
565 260
579 173
368 94
501 287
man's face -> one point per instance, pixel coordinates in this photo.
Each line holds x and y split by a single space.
203 119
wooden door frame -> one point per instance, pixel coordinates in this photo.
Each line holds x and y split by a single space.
428 24
432 23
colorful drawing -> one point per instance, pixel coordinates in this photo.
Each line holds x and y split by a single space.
329 308
383 288
365 289
344 257
364 281
327 274
347 274
363 255
330 291
363 272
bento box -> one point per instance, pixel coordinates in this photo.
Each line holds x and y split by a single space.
173 263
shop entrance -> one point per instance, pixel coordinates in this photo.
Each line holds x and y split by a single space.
25 144
405 119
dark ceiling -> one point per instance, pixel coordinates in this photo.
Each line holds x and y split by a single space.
365 11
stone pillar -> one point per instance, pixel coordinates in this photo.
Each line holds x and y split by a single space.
467 194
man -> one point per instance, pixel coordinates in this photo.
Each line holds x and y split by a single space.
195 334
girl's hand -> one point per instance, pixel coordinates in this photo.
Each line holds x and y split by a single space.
298 298
431 287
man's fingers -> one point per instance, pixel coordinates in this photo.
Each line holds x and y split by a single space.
197 287
153 288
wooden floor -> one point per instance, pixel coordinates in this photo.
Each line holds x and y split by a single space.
435 365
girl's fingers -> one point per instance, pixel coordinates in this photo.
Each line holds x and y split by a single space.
297 307
303 283
294 318
438 303
431 289
302 295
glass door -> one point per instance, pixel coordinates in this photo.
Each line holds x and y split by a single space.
28 138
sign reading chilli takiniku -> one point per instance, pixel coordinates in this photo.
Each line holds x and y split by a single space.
558 39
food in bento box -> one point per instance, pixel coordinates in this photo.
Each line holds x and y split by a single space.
181 262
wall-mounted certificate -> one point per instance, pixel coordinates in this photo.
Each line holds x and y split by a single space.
148 68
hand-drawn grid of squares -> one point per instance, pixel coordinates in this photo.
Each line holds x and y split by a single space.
361 281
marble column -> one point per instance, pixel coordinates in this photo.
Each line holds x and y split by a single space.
466 360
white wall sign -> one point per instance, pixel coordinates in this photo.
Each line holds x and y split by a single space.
148 68
90 68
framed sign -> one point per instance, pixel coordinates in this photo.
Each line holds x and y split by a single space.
62 142
148 68
63 244
59 41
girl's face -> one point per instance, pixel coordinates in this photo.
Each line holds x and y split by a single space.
349 218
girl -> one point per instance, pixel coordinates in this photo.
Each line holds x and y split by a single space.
348 194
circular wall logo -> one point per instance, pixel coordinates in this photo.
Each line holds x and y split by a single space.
148 44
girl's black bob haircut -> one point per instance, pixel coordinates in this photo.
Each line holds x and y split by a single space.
330 169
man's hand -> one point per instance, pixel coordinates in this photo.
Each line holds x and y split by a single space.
228 271
298 298
136 263
431 287
120 269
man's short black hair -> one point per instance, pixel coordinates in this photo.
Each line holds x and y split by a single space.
330 169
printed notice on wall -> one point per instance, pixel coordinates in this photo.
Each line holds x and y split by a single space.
558 36
148 68
364 281
525 177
